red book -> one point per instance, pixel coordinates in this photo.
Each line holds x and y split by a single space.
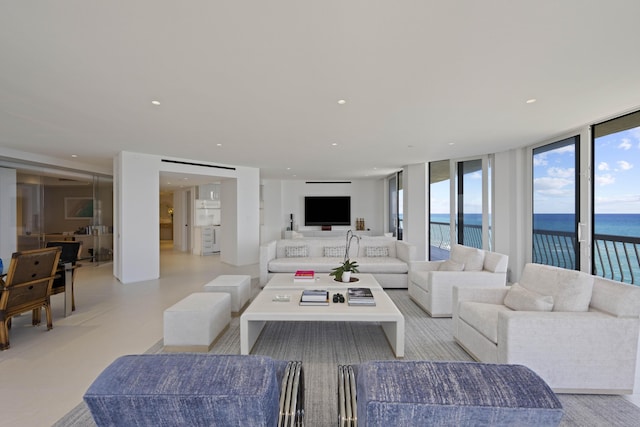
304 275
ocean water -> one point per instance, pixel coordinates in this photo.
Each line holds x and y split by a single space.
627 225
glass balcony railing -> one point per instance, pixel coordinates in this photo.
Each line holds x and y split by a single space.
615 257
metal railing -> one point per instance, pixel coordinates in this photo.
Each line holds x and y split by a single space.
614 257
617 258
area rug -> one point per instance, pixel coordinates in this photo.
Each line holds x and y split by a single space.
322 346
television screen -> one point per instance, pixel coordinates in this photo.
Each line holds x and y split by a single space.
327 210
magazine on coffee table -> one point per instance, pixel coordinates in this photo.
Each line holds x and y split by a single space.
314 297
360 296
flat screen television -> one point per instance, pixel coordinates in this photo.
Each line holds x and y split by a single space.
327 210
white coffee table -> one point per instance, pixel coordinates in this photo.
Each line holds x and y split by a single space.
263 309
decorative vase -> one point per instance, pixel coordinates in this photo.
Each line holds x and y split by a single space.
346 276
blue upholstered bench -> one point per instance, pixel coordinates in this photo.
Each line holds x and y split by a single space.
387 393
196 390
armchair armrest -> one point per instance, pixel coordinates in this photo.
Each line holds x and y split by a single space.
476 294
405 251
267 253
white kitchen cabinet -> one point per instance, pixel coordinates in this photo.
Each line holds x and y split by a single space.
207 240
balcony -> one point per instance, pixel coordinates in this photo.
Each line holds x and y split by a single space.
615 257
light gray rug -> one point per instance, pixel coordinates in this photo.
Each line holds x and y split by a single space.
322 346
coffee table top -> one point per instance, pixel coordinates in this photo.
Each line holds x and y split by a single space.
322 281
263 307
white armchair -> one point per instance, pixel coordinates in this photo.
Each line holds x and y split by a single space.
578 332
431 282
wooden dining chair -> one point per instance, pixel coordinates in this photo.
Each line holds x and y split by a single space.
71 251
27 286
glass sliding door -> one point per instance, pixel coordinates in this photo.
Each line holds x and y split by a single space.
393 205
556 204
439 210
30 211
400 204
616 200
469 218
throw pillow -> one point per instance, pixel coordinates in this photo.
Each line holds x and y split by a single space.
450 265
522 299
377 251
334 251
571 289
295 251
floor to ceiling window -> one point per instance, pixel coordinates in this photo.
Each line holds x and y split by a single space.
439 210
616 199
469 203
555 204
395 205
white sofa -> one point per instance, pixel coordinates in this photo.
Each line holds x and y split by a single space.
386 258
431 282
586 343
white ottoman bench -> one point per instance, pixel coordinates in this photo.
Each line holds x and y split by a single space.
193 323
238 286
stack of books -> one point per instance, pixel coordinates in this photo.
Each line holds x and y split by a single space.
314 297
304 276
360 296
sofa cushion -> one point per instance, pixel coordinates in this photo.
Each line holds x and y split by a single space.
296 251
522 299
471 258
571 290
482 316
382 265
291 265
334 251
377 251
450 265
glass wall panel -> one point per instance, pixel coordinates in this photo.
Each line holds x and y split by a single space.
393 205
439 210
469 202
555 204
616 199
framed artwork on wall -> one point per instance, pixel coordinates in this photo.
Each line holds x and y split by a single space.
78 207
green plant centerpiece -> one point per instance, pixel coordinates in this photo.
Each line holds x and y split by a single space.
348 267
343 272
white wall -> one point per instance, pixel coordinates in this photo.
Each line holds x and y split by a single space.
136 221
415 223
8 229
284 197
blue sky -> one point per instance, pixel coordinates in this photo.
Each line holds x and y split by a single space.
617 179
617 176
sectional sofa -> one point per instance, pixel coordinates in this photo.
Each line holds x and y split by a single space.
386 258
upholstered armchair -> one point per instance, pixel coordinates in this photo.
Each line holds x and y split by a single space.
578 332
431 282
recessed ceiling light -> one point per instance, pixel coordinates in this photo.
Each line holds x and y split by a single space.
334 144
185 179
74 155
531 101
341 101
288 169
452 143
219 145
154 102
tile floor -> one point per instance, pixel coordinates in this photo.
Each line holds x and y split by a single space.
44 374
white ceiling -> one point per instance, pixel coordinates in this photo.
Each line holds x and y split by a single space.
263 79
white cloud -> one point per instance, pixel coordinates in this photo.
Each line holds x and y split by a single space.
540 159
561 172
624 165
603 166
553 186
625 144
605 179
566 149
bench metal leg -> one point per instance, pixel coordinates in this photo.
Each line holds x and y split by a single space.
292 396
347 407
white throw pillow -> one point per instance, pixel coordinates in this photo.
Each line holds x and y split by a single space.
522 299
295 251
377 251
334 251
450 265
